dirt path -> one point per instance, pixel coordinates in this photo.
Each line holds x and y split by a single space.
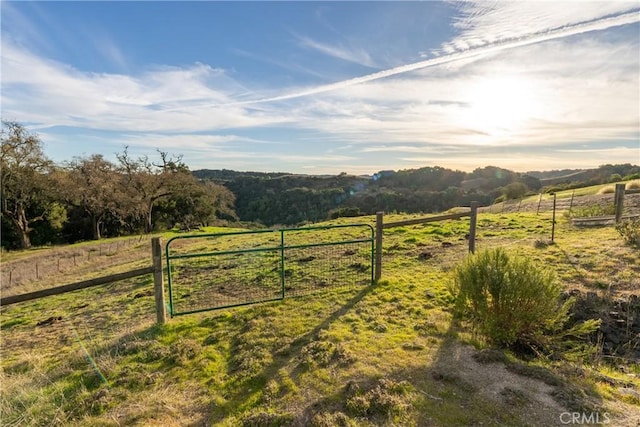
543 398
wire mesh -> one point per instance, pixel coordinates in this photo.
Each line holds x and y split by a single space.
225 280
312 269
224 270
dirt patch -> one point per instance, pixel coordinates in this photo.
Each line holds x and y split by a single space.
542 396
492 380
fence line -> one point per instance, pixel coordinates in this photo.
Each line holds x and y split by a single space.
24 270
155 268
13 299
425 220
544 202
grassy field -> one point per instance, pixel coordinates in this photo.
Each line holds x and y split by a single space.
599 189
387 354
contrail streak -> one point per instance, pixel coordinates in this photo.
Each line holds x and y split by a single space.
570 30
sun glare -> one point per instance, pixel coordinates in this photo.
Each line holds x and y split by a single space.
501 106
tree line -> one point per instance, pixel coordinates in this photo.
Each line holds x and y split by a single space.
278 198
91 197
287 199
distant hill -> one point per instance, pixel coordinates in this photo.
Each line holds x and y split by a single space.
225 175
284 198
575 178
554 173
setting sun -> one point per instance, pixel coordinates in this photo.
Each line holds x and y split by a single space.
500 106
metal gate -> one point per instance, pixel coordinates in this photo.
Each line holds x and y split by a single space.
222 270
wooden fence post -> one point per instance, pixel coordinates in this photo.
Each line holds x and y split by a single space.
619 201
379 227
553 220
472 227
571 204
539 201
156 252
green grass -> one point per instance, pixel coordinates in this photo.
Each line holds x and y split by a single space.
387 354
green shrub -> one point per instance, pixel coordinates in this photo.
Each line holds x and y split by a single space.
630 231
615 177
594 210
345 212
500 199
513 302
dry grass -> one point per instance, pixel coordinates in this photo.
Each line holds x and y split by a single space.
610 189
46 267
633 185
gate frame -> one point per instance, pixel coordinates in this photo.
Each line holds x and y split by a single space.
282 248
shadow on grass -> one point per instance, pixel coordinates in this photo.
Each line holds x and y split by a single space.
245 389
582 278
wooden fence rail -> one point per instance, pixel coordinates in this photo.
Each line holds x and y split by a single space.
155 268
75 286
426 220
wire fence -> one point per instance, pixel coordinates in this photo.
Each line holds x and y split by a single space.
571 203
61 262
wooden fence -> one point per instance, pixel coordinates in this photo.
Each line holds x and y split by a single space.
380 226
155 268
618 201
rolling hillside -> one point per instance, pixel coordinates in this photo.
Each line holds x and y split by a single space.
387 354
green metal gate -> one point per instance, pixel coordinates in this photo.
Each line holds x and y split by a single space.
222 270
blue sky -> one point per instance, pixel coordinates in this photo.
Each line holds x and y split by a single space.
327 87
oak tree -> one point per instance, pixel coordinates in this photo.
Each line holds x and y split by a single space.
92 185
25 183
146 182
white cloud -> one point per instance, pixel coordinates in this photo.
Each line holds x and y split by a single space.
190 142
465 54
522 161
484 23
154 101
111 51
30 33
566 92
345 53
563 90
